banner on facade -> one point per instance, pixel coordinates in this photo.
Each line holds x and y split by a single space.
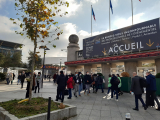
140 37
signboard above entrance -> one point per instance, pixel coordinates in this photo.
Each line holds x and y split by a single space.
144 36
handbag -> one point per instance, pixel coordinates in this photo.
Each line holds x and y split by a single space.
66 92
104 81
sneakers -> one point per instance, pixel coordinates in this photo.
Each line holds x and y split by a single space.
136 109
116 99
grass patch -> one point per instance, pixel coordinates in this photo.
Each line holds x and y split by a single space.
36 106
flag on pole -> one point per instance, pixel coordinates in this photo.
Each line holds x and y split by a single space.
93 14
140 0
111 6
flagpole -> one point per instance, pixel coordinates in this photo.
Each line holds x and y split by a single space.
109 17
132 10
91 20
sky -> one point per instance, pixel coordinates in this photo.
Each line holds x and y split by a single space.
78 21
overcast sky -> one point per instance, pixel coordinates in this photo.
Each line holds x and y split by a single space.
78 21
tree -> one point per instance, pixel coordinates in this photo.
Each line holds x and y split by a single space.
1 59
38 61
16 60
37 20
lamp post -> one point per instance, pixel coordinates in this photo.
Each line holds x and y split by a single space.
60 63
43 63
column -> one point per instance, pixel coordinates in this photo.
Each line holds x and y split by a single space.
71 68
87 68
130 67
106 71
157 62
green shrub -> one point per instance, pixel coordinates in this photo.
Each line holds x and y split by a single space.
2 76
158 75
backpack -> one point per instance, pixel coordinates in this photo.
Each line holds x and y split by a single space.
73 82
117 81
143 82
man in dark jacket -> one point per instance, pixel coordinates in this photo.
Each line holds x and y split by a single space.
23 76
87 79
137 90
151 89
114 87
61 81
99 83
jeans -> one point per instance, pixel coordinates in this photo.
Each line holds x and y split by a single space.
115 92
140 98
19 81
7 79
60 91
87 88
70 92
76 88
109 90
80 88
36 87
152 95
101 86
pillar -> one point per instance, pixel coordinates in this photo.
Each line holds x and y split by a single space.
71 68
157 63
87 68
106 72
130 67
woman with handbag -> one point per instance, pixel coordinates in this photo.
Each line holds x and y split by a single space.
70 86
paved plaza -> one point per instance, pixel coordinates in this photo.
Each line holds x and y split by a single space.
92 107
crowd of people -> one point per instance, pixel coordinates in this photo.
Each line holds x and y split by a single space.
79 82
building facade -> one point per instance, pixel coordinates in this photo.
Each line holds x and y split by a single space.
131 49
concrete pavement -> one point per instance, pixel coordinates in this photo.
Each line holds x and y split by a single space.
92 107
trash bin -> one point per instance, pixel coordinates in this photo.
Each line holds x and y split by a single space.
158 86
126 84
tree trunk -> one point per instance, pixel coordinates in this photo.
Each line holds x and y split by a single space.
33 61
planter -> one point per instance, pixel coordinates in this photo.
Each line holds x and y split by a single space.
126 84
158 86
60 114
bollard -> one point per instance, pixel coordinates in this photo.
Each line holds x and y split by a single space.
49 108
128 116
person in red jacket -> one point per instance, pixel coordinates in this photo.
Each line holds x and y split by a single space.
70 86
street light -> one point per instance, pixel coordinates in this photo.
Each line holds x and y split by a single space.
43 63
60 63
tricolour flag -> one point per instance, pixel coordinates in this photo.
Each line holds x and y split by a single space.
93 14
111 6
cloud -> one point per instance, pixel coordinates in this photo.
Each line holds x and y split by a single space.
92 1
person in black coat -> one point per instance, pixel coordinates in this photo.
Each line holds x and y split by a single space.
23 76
138 91
61 81
99 83
114 86
88 81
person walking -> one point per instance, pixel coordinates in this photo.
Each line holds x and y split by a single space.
11 77
80 78
151 90
54 77
94 83
137 90
38 82
70 86
19 79
119 86
109 84
87 79
99 83
76 86
7 78
61 81
114 86
23 76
